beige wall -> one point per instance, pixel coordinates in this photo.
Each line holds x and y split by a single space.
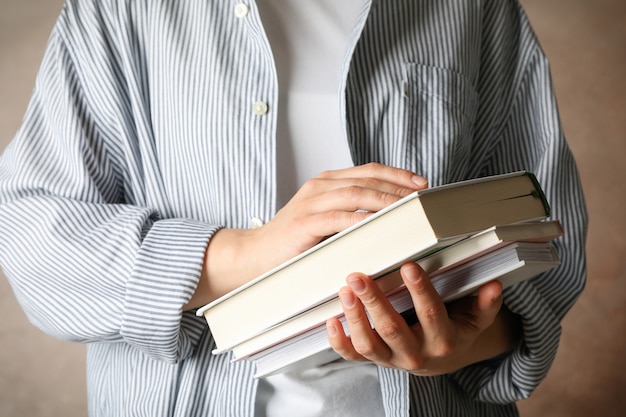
586 40
39 376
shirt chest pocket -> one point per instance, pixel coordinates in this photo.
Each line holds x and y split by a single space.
440 109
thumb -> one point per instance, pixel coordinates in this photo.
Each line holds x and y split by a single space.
487 304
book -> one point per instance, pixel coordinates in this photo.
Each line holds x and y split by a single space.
412 227
464 251
510 264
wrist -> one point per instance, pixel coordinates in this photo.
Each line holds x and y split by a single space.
227 265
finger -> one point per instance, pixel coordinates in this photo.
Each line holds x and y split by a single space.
387 173
337 209
477 312
487 304
429 307
326 211
364 340
340 342
352 195
390 326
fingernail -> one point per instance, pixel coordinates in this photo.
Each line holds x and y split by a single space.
412 273
357 284
347 299
420 181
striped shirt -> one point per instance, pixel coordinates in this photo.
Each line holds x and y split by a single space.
151 127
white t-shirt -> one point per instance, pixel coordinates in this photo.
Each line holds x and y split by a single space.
309 41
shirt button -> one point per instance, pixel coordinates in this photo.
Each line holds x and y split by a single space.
241 10
260 108
256 222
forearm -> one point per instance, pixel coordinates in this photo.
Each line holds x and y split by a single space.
231 259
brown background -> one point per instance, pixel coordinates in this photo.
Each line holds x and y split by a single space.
586 41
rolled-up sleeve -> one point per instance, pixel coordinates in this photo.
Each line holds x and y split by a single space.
86 246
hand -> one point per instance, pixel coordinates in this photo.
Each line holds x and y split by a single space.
332 202
325 205
444 340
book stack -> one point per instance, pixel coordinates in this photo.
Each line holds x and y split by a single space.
463 234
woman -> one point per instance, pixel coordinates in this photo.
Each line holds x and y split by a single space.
159 133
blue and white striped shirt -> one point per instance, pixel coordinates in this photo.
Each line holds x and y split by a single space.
151 126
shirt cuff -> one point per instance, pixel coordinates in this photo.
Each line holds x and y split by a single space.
165 276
